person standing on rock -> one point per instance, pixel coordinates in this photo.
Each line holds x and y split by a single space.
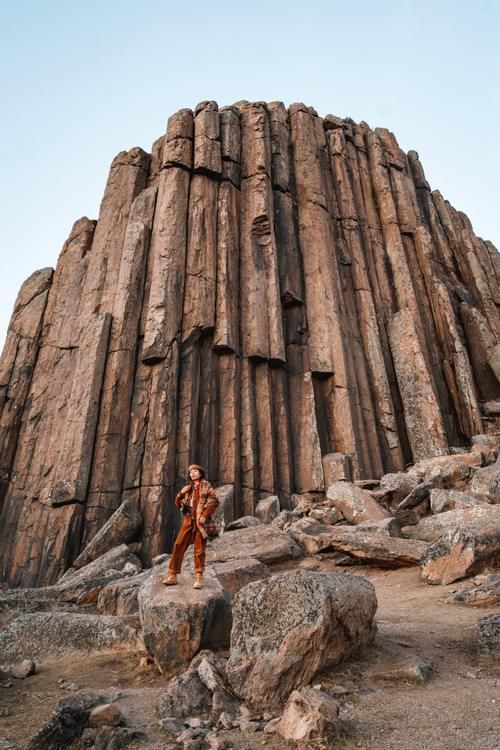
197 501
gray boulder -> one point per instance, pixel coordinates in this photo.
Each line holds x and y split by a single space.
431 528
444 500
244 522
263 542
178 620
120 528
225 510
488 636
310 718
75 582
355 503
291 626
487 482
44 634
121 597
268 508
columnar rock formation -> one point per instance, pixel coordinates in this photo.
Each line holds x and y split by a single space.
265 288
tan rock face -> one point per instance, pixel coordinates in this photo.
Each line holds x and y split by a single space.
309 715
354 503
275 295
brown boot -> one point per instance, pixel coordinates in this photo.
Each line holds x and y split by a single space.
171 580
197 581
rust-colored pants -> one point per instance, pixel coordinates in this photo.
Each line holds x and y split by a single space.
188 534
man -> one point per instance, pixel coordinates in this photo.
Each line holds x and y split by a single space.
197 501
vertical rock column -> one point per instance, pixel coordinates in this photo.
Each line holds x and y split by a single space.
66 376
127 177
410 219
262 341
196 427
365 316
436 239
454 358
323 294
291 281
404 285
296 436
106 481
423 418
17 364
376 267
226 337
151 453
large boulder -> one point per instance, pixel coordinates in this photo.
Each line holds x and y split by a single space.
120 528
291 626
178 620
336 468
369 542
268 508
378 549
310 716
355 504
74 582
312 535
487 482
399 484
461 552
444 500
484 593
225 510
234 574
431 528
263 542
488 636
44 634
199 691
121 597
447 468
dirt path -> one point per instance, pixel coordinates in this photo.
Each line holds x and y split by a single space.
458 709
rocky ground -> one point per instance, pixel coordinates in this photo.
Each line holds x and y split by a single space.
368 617
458 707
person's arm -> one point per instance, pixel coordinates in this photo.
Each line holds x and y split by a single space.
181 496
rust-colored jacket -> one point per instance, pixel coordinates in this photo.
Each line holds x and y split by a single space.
207 504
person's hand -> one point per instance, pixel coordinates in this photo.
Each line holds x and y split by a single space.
203 520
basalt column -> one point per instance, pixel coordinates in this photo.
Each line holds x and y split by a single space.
150 472
266 287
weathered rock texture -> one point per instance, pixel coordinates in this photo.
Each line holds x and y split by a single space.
267 288
328 618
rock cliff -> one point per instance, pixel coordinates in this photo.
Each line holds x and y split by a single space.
265 288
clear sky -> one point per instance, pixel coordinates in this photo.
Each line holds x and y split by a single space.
82 80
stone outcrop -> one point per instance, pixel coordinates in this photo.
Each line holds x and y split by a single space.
327 619
119 529
370 545
275 295
177 621
488 636
310 715
461 552
47 634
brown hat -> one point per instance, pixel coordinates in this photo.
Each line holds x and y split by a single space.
197 466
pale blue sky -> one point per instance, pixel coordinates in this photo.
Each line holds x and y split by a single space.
82 80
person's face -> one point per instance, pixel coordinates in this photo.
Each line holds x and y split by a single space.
195 474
